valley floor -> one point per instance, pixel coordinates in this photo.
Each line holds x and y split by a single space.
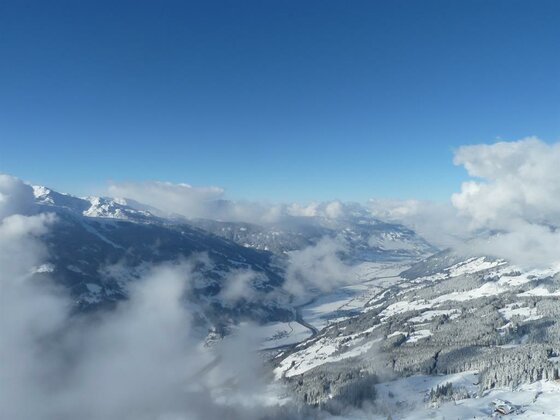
369 280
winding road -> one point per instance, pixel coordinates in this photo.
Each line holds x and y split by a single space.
299 319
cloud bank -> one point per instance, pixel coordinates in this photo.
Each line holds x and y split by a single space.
518 182
516 197
209 203
182 199
438 223
509 209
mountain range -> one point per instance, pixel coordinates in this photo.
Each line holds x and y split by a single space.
99 244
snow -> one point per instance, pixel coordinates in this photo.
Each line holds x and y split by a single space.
104 208
42 194
74 269
402 307
493 288
418 335
371 279
354 351
540 291
94 231
515 309
372 292
324 350
374 271
429 315
304 360
469 266
474 265
281 334
318 312
405 399
45 268
392 241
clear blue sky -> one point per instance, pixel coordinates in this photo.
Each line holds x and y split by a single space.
278 100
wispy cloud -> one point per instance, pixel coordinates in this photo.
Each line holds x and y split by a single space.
438 222
317 268
210 202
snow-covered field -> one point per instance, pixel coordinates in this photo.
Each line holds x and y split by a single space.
407 399
370 280
280 334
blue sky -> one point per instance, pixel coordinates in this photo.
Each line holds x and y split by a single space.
276 100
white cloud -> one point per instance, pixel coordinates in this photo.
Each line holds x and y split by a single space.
510 209
182 199
30 313
438 223
317 267
194 202
209 203
15 196
528 245
518 181
239 285
300 210
517 195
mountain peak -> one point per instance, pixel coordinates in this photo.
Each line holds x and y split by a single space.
113 208
91 206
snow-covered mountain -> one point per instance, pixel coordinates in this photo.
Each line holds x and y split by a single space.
449 315
98 245
103 207
367 238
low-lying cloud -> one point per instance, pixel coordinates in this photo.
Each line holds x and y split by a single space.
209 203
437 222
510 208
181 199
141 360
316 268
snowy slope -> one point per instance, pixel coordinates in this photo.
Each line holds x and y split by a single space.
102 207
446 315
408 398
98 245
